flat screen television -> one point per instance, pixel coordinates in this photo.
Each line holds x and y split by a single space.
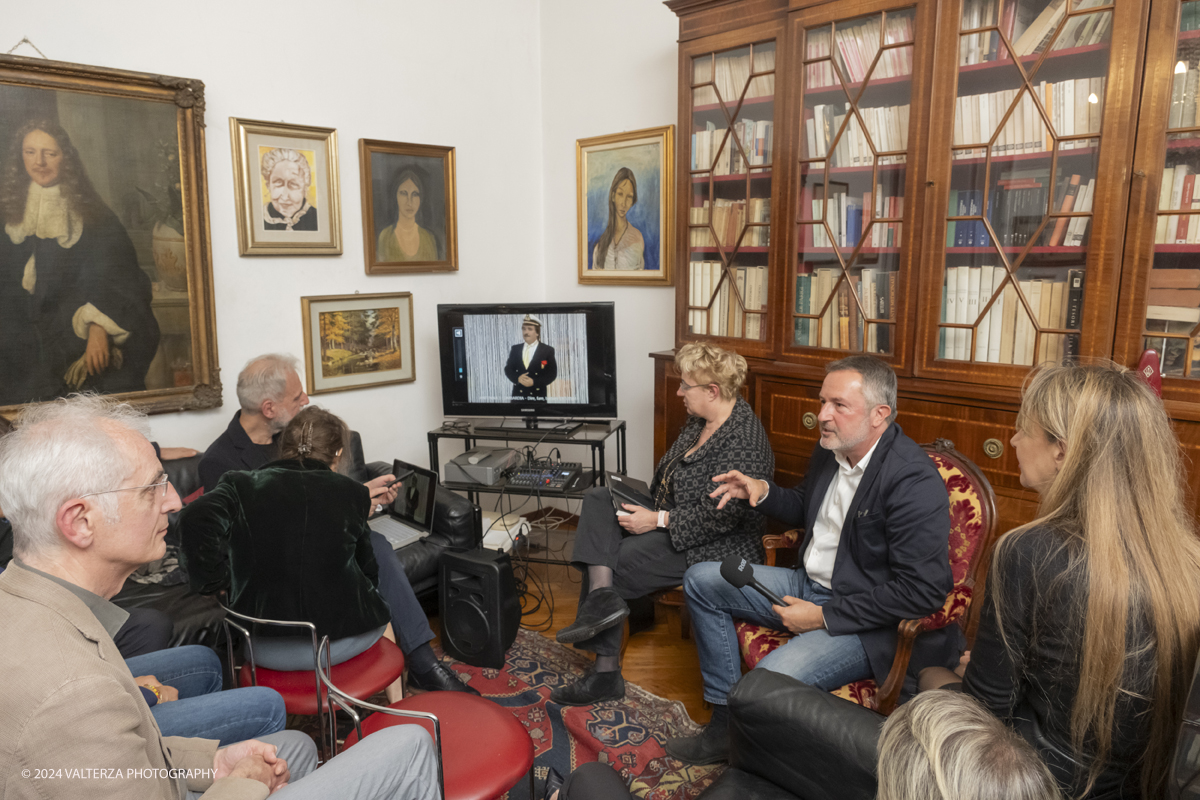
528 361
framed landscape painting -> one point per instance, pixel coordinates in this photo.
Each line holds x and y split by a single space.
286 186
105 262
409 217
626 207
357 340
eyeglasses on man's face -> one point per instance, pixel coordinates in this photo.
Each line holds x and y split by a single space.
159 485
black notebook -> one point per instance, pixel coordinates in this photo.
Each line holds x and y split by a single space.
625 489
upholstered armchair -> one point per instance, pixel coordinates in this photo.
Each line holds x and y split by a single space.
972 533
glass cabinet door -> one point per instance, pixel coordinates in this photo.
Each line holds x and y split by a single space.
729 214
1171 316
853 159
1024 163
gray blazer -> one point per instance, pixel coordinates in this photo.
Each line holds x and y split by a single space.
70 705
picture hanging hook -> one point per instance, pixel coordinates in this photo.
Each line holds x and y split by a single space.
25 40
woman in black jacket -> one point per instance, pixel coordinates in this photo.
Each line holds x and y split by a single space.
647 549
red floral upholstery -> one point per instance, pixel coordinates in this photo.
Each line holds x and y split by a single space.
969 525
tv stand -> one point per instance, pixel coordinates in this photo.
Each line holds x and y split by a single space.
564 427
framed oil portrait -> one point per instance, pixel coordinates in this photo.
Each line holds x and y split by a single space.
626 186
409 217
105 261
357 340
285 179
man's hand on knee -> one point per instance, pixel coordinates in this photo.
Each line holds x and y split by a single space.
252 759
800 616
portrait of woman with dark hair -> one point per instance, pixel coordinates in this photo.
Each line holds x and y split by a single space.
621 246
74 304
406 239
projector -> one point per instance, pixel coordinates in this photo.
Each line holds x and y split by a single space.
484 465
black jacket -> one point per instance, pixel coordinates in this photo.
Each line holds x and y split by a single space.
543 369
893 559
233 450
289 541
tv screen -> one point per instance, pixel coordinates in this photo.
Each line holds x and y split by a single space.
526 360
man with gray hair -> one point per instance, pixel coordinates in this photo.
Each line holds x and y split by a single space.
270 394
89 501
876 518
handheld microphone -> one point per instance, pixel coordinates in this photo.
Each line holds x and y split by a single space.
739 573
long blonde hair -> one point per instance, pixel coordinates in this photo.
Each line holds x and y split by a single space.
1119 503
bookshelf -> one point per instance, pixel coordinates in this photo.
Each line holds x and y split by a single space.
964 205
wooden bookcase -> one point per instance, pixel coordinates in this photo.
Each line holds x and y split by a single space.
963 187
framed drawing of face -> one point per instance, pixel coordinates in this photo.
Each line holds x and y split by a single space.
105 262
409 217
357 340
286 183
626 186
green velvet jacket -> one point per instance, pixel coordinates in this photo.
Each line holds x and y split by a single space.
288 541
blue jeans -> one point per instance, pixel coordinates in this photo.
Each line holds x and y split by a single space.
816 658
203 710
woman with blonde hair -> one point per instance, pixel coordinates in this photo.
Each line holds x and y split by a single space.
647 549
1090 625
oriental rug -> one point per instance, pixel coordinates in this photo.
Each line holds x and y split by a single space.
628 734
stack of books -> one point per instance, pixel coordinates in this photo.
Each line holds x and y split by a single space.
843 326
888 126
1016 207
728 217
713 150
845 216
732 75
1179 191
857 44
1007 334
714 308
1074 109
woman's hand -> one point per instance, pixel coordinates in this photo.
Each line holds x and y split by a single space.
638 520
381 493
165 693
736 486
96 356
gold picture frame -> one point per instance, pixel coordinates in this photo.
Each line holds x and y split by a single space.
358 340
286 189
424 173
636 168
129 149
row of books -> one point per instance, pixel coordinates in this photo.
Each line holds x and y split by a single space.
888 127
732 73
843 326
857 45
1184 85
716 310
1073 107
1016 207
712 149
1179 191
1028 33
845 217
728 217
1006 334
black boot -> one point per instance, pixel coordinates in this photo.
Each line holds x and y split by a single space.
599 611
710 746
595 687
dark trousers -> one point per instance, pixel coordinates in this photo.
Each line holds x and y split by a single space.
641 564
408 618
146 631
595 781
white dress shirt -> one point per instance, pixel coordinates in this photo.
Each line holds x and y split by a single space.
827 527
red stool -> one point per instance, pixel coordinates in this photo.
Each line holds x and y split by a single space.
361 677
483 751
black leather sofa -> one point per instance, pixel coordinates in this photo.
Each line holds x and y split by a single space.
789 740
457 526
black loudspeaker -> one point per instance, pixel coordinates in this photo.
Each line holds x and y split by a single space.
480 611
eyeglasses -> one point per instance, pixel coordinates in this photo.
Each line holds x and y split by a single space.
687 387
161 485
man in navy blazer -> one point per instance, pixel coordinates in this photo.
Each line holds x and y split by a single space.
531 365
876 518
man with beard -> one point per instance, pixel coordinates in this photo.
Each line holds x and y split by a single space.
876 551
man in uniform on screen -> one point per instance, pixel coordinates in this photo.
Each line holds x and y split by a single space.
531 366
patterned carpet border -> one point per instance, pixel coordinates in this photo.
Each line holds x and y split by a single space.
628 734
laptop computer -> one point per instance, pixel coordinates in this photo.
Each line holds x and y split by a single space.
410 517
625 489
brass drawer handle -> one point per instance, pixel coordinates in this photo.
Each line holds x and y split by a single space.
809 419
993 448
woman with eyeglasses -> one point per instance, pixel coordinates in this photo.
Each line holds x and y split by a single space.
630 553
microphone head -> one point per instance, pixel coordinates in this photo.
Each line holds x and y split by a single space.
737 571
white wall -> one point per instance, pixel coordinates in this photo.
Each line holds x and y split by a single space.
509 84
606 68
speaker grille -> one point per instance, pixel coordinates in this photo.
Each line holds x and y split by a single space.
466 626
